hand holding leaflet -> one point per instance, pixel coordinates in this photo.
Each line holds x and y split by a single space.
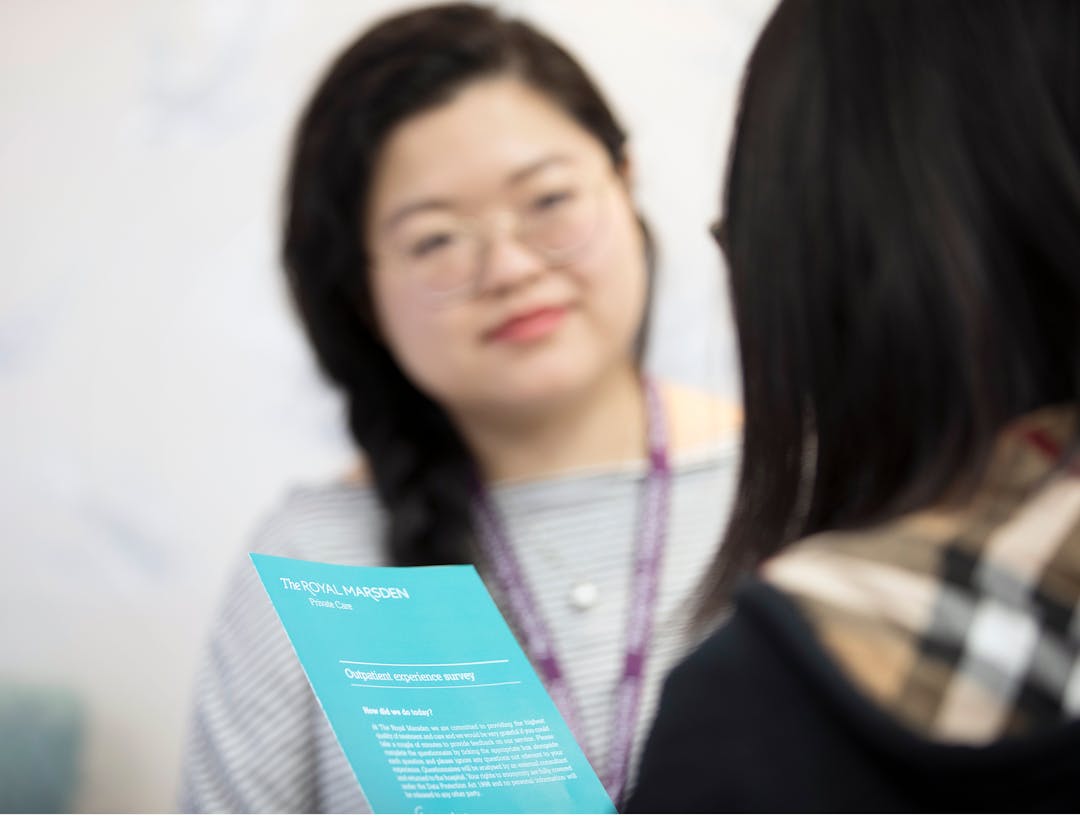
434 704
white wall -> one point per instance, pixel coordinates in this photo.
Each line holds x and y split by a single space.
155 397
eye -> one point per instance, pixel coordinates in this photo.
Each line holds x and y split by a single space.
552 200
430 244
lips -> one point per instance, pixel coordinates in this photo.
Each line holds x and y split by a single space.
529 326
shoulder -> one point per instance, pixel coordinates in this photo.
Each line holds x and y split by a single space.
333 522
705 751
737 673
699 420
746 703
251 695
338 521
741 657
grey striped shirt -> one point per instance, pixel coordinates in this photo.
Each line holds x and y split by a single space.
258 741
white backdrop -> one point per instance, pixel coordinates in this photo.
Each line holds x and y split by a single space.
155 396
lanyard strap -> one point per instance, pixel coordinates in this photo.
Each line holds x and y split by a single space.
1068 456
649 549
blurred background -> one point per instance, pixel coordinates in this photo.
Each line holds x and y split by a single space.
155 396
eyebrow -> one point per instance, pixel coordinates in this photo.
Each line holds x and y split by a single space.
413 208
519 176
515 178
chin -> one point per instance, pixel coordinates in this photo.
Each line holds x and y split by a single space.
535 387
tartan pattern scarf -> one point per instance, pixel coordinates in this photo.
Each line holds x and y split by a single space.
964 624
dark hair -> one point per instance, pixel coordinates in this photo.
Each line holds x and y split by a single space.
903 234
402 66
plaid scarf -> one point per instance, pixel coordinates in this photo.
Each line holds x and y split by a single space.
964 624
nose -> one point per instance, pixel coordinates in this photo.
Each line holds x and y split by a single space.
506 261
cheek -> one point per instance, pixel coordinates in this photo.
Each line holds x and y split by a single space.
424 341
616 277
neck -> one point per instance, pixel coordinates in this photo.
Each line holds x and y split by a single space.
602 426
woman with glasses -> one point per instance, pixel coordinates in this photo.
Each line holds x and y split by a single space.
463 248
903 232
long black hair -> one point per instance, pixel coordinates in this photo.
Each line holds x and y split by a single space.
402 66
903 235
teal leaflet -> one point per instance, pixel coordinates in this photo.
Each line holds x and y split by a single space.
432 700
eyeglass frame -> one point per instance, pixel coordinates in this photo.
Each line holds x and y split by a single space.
485 237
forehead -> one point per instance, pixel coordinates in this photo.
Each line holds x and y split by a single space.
473 145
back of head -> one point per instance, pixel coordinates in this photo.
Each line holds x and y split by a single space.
403 66
903 233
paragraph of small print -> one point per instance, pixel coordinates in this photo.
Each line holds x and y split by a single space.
462 761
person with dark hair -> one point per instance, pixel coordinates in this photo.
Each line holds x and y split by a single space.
463 249
902 225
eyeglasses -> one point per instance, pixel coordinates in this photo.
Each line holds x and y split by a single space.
447 253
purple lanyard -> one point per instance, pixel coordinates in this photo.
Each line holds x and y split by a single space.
649 550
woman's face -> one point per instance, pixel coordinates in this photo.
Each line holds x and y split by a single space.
507 264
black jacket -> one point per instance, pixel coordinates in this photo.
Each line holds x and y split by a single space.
760 719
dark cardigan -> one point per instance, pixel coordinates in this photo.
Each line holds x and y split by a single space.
760 718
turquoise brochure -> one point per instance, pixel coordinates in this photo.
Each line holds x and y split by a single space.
435 705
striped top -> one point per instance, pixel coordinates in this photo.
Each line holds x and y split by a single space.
258 741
